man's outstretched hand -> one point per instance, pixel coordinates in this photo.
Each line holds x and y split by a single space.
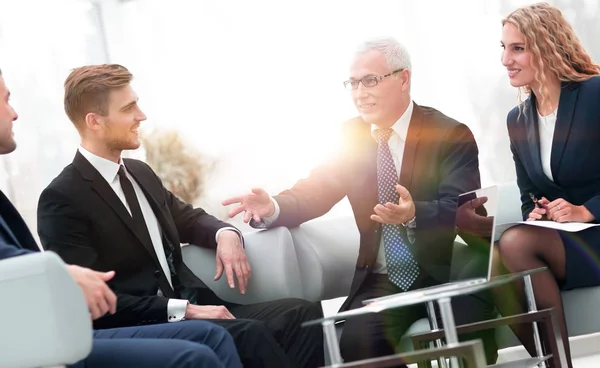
395 213
255 205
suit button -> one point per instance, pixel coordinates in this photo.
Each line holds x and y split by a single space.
157 273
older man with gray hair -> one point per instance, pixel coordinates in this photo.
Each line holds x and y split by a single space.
402 167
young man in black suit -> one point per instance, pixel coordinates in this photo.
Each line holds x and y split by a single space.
402 167
194 344
109 213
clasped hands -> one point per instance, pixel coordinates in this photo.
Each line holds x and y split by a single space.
560 210
396 213
98 295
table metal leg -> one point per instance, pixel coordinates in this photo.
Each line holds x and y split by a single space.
434 327
333 345
532 307
449 326
555 341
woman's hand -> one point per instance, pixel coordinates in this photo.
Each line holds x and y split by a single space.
561 210
539 212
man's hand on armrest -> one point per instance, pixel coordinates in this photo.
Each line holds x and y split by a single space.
231 258
207 312
100 299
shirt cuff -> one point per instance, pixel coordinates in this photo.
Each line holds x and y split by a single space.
232 229
410 229
265 222
176 309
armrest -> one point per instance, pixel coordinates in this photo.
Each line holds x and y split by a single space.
327 249
44 317
508 207
275 273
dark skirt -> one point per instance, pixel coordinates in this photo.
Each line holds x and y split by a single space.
582 250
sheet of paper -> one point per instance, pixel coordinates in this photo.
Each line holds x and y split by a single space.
572 227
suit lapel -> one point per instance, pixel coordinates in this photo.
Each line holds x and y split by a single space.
568 99
4 227
100 186
165 225
368 255
410 147
533 134
14 226
564 119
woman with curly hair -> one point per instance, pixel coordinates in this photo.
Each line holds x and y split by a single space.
555 141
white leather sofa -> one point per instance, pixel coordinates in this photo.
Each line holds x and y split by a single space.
316 260
44 319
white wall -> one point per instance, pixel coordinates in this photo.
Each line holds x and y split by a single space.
256 84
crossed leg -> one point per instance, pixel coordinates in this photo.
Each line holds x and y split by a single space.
524 248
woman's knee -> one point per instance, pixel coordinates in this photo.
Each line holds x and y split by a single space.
519 240
524 239
511 239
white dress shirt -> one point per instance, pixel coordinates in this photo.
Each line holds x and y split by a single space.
396 143
546 126
109 171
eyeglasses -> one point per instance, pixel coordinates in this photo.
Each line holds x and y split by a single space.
369 80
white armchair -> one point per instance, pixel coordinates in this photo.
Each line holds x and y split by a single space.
327 250
44 318
275 270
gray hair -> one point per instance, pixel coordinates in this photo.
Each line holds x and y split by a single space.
395 53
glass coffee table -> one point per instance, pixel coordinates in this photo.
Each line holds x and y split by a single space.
442 295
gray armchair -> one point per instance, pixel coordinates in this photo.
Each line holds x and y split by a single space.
275 269
44 318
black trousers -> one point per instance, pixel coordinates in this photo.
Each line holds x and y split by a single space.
270 334
375 335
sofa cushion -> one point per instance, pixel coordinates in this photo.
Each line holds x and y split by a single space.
327 249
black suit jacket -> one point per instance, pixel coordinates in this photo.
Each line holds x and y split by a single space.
575 153
82 219
440 162
15 237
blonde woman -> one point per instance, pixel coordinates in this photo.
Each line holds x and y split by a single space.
555 141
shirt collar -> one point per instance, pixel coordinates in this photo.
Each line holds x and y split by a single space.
400 127
106 168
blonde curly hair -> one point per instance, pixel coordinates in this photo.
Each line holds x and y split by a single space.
554 46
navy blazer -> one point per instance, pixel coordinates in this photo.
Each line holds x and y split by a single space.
15 237
575 155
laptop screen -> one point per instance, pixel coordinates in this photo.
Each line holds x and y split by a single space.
475 223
